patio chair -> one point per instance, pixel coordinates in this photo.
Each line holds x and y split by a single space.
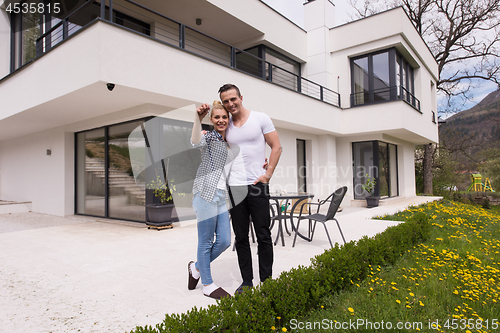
335 200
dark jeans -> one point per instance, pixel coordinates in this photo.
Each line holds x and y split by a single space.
254 205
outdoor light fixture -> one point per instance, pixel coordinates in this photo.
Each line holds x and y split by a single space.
198 21
110 86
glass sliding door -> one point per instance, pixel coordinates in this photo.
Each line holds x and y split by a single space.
105 182
379 160
363 165
301 166
115 165
393 170
383 167
126 194
90 175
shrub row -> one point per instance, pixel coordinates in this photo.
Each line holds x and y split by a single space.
294 293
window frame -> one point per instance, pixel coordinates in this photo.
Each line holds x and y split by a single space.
396 87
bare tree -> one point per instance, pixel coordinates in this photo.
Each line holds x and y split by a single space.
463 36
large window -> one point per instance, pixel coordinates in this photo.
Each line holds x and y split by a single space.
115 164
380 77
270 65
27 26
379 160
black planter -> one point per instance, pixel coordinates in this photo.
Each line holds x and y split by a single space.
159 215
372 201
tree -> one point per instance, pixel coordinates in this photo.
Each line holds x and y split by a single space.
463 36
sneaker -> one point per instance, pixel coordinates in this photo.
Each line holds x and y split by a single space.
244 286
218 293
192 282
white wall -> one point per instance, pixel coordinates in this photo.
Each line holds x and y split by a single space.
4 43
278 31
319 17
27 173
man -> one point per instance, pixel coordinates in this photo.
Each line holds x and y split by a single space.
250 131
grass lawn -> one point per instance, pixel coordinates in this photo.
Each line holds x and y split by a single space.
450 283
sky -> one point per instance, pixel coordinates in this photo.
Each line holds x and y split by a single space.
294 11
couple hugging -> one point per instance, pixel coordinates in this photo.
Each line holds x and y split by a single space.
232 162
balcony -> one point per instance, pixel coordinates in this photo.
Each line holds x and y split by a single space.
140 19
385 95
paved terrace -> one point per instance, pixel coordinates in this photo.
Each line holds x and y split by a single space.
83 274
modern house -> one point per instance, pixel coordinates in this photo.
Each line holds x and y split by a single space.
82 81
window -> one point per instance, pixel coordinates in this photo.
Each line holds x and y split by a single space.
380 77
26 28
115 164
376 159
270 65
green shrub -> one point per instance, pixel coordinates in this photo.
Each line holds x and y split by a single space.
299 290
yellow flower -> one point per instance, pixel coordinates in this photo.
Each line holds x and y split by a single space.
284 329
279 318
398 301
350 310
322 306
273 328
412 294
421 304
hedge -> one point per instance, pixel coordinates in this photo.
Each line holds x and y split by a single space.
296 292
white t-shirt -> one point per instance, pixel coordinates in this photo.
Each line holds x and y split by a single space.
250 139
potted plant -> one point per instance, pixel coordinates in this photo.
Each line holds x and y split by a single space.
160 214
369 187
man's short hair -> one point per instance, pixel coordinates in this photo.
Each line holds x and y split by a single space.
229 86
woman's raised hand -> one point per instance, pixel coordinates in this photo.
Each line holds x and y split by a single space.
202 111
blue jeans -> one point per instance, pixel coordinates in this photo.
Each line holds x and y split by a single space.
213 219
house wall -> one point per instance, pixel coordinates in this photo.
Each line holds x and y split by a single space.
4 43
152 78
27 173
321 164
271 23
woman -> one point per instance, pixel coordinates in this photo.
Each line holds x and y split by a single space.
209 198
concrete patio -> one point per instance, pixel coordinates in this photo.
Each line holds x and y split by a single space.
76 273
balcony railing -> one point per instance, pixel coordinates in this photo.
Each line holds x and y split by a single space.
134 16
385 94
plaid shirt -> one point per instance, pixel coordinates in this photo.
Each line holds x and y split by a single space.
214 153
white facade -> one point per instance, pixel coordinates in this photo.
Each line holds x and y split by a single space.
63 92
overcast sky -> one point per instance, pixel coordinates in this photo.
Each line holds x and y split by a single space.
294 10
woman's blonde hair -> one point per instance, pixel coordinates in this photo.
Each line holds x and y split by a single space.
217 105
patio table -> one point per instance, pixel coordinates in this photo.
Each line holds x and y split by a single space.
285 198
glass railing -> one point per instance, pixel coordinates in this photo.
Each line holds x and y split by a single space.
134 16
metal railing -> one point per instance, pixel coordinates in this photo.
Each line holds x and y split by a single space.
133 16
384 95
